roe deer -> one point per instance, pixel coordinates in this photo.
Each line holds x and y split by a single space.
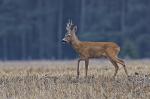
87 50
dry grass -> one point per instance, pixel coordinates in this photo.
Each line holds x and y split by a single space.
57 80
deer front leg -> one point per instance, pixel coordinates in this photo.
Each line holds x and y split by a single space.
86 66
78 68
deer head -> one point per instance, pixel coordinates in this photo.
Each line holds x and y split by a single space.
71 29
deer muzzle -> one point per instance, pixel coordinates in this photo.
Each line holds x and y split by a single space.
64 40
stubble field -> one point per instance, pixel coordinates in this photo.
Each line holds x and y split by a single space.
57 80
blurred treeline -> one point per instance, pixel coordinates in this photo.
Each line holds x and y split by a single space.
33 29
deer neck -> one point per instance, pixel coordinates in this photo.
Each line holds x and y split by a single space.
75 42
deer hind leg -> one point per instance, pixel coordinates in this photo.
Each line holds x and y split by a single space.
123 64
116 67
86 66
117 60
113 56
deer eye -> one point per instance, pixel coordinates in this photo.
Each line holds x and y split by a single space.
69 34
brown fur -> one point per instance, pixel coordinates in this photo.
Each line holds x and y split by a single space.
87 50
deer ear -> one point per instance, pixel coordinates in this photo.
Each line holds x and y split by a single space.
75 28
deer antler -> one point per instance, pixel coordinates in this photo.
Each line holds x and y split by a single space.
69 24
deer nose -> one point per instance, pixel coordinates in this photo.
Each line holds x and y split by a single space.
63 40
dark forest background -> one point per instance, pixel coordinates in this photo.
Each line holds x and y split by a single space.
33 29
